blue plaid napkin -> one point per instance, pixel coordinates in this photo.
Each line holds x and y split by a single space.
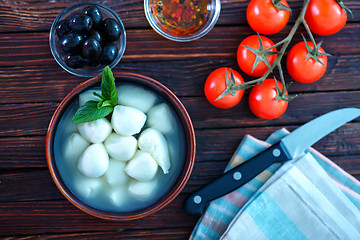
311 198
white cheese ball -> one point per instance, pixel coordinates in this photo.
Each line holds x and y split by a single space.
142 167
118 196
87 187
95 131
75 145
136 96
88 96
153 142
127 120
94 161
142 190
115 174
160 118
121 148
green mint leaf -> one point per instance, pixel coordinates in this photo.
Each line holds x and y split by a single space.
106 103
108 88
90 112
99 96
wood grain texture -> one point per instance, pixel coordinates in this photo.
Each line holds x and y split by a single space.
61 217
49 83
36 184
146 45
33 118
22 152
19 153
38 15
151 234
33 84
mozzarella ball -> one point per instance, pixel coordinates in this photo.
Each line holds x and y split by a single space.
160 118
87 187
95 131
88 96
118 196
142 167
115 174
153 142
127 120
121 148
136 96
142 190
94 161
75 145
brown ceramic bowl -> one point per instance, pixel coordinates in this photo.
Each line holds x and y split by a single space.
190 147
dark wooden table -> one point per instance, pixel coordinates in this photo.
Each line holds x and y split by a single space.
32 85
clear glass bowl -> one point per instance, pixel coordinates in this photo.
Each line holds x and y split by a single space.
86 71
156 16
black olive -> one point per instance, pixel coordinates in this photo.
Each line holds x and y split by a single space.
75 61
80 23
93 63
94 34
109 53
110 29
91 49
71 43
62 28
94 13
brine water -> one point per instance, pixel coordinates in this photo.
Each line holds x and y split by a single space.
99 199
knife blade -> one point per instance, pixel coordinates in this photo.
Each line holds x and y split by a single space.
290 147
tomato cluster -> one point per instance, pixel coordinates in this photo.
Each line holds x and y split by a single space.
306 61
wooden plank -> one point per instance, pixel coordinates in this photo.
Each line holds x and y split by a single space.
42 215
24 153
151 234
62 217
34 217
39 15
146 45
37 184
33 119
298 110
215 145
25 119
49 83
33 185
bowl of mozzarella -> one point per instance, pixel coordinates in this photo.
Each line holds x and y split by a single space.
128 164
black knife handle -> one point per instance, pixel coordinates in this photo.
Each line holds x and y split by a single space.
235 178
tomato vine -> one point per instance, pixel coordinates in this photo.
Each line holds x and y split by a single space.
284 44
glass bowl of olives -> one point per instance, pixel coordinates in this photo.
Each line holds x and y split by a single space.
86 37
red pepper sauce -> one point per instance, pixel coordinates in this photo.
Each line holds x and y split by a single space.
180 17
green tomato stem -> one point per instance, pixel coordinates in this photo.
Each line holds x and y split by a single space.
309 32
285 43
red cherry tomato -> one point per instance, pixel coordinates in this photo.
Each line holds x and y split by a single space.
264 18
215 85
246 58
325 17
262 100
305 71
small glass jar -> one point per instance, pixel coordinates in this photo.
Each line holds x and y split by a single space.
182 20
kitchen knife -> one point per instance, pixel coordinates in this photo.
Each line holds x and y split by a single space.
290 147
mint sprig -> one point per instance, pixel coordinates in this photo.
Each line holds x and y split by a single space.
93 110
108 88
